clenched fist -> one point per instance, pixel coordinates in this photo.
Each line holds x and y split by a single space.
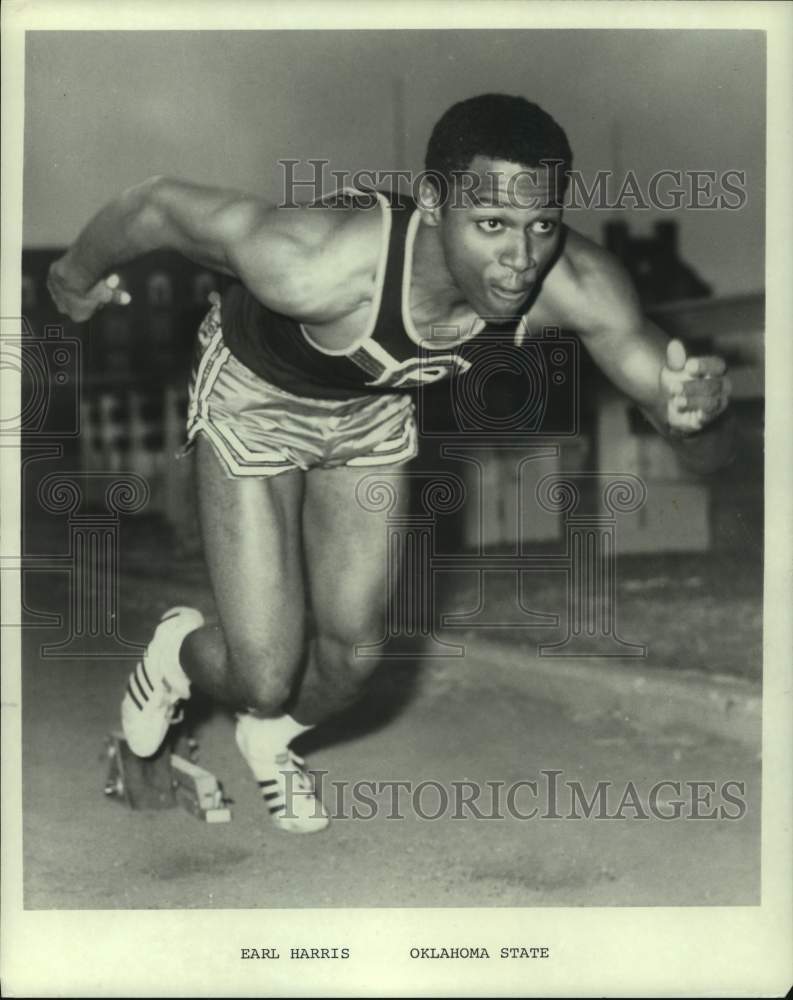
696 389
81 305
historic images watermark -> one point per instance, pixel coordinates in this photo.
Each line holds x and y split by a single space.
671 189
550 796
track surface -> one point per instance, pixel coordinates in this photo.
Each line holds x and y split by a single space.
440 721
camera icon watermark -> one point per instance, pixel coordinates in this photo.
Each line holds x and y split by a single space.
516 386
49 370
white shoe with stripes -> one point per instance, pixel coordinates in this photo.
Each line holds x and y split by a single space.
287 788
158 683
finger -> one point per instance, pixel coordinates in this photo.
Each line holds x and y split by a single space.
677 405
696 419
673 381
706 367
697 389
675 356
119 296
100 292
707 406
699 396
107 292
689 421
103 293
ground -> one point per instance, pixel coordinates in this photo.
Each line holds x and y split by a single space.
434 720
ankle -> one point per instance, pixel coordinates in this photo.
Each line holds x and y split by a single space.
274 731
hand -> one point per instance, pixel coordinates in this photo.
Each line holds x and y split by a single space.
81 305
696 390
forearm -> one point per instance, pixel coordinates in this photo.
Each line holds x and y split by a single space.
127 227
634 365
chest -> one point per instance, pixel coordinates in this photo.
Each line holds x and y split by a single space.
396 342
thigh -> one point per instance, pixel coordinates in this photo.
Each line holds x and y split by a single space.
352 553
251 531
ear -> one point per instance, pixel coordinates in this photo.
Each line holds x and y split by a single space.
429 202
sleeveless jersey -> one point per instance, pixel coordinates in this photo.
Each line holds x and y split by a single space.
390 355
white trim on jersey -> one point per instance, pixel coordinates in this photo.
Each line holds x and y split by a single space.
522 330
407 319
385 240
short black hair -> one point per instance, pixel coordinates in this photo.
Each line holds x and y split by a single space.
500 127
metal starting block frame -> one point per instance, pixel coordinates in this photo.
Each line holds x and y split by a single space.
163 782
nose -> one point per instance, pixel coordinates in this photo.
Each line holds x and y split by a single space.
518 256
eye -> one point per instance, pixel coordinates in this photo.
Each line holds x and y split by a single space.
490 225
544 227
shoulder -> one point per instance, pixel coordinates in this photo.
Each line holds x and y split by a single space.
326 256
311 232
588 289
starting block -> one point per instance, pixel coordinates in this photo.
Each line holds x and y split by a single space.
163 782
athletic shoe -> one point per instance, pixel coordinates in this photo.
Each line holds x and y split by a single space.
158 683
287 789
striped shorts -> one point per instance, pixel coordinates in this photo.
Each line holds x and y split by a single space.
257 429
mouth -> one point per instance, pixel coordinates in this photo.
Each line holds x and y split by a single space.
509 295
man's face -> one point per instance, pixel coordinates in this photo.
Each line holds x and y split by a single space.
498 235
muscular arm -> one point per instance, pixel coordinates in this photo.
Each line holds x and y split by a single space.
288 258
680 396
602 306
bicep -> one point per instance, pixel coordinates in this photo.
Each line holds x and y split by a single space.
627 346
296 261
200 222
279 254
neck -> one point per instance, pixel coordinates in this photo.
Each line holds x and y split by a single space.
432 288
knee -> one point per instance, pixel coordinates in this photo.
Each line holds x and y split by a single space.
265 694
342 656
265 682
